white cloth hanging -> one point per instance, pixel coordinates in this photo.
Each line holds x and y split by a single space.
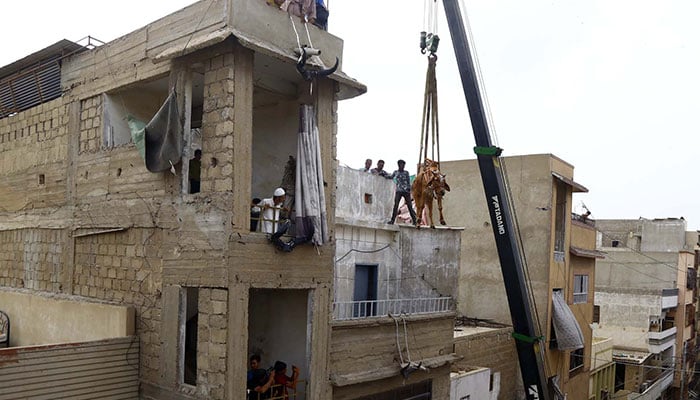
569 335
310 197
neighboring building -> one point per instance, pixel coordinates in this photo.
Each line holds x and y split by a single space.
393 300
489 345
646 301
602 384
81 216
560 263
63 348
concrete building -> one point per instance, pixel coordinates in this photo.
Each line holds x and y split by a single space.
393 300
81 216
489 345
602 383
646 301
560 254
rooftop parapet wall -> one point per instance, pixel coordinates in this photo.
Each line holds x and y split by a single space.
37 320
363 198
365 357
145 53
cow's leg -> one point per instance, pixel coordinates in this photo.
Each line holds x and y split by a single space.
417 194
442 218
419 211
429 204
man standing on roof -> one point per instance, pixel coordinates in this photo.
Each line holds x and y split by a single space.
368 166
403 189
380 169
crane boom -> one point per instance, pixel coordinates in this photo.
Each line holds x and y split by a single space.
509 253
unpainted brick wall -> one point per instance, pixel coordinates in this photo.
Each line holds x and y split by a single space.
496 350
217 126
38 124
91 124
32 143
211 342
125 267
31 259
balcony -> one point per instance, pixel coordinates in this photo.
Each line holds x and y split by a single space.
660 341
652 389
348 310
661 335
669 298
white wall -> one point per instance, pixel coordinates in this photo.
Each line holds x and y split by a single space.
278 328
37 320
624 316
474 385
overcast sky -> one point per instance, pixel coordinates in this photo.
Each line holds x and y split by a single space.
612 87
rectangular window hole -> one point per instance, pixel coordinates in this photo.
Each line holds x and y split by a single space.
368 198
191 326
42 179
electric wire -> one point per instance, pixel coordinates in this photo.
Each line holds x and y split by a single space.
197 27
479 77
519 243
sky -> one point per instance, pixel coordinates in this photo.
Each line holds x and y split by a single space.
611 87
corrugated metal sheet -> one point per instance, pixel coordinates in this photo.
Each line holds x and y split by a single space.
104 369
31 88
34 79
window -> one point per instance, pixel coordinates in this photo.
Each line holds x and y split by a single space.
575 360
596 314
580 289
689 314
615 243
189 358
691 278
560 218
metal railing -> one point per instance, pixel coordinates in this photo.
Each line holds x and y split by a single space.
345 310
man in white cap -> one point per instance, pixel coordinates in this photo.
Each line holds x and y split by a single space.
271 211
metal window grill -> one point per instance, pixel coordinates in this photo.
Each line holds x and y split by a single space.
36 78
30 88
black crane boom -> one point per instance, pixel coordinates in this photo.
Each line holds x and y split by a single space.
509 253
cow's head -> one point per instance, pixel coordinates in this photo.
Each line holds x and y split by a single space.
438 183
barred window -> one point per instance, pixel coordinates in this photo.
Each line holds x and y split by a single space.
580 289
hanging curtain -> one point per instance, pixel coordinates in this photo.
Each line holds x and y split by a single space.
164 137
569 335
310 199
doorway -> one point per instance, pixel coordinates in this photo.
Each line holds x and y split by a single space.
365 291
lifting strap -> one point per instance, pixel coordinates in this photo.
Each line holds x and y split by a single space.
430 126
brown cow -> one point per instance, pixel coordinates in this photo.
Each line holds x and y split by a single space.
429 184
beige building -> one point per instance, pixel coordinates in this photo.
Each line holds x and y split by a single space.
646 302
81 217
393 299
560 254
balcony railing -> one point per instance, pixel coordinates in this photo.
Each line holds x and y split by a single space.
653 389
345 310
661 335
